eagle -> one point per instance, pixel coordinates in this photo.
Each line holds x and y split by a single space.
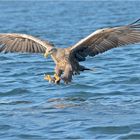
68 59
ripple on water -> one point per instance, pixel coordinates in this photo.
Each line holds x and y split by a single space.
30 136
14 102
4 58
109 129
130 136
4 127
16 91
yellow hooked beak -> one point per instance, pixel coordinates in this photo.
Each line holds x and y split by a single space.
46 54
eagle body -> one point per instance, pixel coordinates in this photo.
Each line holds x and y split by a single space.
63 65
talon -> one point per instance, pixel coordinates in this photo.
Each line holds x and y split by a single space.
57 79
49 78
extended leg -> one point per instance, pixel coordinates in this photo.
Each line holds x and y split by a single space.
67 76
57 75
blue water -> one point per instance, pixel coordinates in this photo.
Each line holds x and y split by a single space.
104 104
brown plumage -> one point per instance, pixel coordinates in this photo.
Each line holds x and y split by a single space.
67 59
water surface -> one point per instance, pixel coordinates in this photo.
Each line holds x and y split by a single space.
104 104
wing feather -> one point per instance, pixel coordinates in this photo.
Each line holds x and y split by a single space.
21 47
35 48
106 39
13 42
31 48
6 48
14 46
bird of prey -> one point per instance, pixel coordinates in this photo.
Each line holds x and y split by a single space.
67 59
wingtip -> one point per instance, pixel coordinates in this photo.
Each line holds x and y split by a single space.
136 21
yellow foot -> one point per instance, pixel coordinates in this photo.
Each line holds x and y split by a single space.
49 78
57 79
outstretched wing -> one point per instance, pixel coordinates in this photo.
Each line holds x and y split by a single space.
105 39
13 42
